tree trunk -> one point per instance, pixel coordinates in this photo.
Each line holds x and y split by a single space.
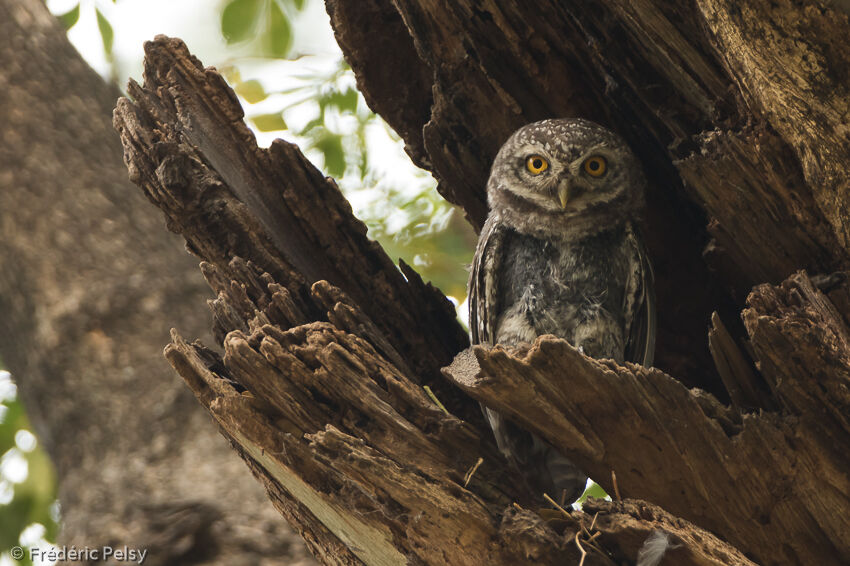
329 384
90 283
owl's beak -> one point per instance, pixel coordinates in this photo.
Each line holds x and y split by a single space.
564 194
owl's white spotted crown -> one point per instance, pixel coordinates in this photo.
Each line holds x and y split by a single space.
565 178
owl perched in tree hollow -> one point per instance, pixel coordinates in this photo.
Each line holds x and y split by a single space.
560 254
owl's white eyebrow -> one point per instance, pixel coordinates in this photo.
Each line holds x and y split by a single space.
599 149
528 148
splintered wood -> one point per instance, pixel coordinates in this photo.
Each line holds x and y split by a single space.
326 353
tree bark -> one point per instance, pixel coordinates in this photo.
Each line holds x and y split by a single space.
740 118
321 387
725 182
90 283
680 448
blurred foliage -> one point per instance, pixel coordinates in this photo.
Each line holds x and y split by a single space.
265 23
107 34
70 18
434 237
27 482
410 220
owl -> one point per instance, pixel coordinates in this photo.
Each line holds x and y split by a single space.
560 253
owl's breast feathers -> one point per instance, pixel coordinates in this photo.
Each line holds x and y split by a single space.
595 292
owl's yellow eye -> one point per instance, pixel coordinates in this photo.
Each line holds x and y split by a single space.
595 166
536 164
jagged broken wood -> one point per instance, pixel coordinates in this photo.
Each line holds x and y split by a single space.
684 450
320 386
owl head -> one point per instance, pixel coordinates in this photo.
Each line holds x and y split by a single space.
565 178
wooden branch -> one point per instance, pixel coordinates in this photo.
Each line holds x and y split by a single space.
752 187
322 396
209 177
189 150
680 448
803 347
624 527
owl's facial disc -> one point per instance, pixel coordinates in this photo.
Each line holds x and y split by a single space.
559 179
564 176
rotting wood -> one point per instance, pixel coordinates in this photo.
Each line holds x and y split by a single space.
325 404
682 449
747 389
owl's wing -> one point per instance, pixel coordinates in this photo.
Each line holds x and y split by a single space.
544 469
640 306
483 287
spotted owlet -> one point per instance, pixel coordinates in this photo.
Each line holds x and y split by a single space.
561 254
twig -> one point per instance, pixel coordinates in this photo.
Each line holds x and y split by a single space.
616 487
435 400
471 471
582 550
591 537
552 501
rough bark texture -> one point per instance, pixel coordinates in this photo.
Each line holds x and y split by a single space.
731 203
90 283
323 394
739 115
785 470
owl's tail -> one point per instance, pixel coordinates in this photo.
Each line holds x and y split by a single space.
567 481
545 469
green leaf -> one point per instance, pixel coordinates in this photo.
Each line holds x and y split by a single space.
252 91
239 18
331 146
595 490
279 35
299 4
345 101
13 420
106 33
269 122
31 498
70 17
317 122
